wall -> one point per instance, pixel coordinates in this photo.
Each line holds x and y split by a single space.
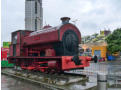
103 50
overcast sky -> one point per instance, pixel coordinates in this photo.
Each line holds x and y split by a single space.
91 15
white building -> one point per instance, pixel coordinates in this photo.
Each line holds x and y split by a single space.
33 15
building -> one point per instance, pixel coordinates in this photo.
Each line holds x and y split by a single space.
91 49
33 15
100 51
105 32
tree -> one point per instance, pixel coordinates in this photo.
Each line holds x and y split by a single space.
114 41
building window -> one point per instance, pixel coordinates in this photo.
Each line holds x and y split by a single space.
35 7
35 24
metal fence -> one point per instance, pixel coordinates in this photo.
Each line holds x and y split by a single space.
114 74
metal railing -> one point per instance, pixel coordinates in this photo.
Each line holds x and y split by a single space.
114 74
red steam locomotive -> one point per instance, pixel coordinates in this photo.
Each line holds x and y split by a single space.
52 49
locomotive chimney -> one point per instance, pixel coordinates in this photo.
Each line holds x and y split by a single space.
65 20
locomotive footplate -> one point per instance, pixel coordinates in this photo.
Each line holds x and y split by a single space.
50 64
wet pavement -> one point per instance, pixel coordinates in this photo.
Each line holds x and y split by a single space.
110 68
8 83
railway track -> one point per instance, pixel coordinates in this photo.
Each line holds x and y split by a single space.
41 84
49 81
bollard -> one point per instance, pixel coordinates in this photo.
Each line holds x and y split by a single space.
102 81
